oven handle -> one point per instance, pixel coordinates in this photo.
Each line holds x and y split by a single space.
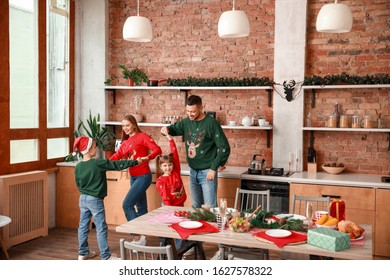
332 196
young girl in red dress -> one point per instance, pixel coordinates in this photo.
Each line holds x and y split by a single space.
169 184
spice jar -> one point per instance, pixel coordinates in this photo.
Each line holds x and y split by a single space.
355 121
367 123
343 121
332 122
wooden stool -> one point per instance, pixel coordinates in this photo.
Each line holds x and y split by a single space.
4 220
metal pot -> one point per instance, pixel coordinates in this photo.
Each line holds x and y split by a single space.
255 164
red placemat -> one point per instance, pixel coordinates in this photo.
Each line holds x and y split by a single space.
294 238
185 232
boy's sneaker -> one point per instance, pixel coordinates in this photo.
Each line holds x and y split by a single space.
113 258
90 255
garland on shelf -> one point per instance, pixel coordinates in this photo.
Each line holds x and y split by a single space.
220 82
344 78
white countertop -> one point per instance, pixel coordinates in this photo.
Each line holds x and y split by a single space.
322 178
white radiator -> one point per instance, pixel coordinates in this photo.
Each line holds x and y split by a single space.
24 198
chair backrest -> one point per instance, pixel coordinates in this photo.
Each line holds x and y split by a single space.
133 251
250 199
299 204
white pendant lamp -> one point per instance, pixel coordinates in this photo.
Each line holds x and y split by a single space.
233 24
137 28
334 18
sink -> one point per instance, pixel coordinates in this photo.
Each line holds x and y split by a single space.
385 179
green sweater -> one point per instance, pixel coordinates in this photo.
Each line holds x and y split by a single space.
206 144
91 175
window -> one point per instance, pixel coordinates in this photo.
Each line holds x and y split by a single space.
36 86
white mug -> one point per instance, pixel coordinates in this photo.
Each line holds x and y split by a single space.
232 122
261 122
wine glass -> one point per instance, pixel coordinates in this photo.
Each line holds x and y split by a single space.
309 214
222 211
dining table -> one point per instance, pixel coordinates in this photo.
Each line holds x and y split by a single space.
151 224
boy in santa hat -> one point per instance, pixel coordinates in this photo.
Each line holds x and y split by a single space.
91 181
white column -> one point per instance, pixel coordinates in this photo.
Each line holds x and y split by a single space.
91 46
289 63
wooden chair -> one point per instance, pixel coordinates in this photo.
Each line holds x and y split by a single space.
248 199
299 204
133 251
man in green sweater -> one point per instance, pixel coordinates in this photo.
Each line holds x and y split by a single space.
207 149
91 181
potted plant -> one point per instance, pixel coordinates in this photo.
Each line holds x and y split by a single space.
93 129
134 76
108 145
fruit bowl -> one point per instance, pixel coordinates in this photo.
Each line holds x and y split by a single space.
333 169
239 224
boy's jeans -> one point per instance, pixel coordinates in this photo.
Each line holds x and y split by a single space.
92 206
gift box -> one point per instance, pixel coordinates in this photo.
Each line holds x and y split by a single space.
337 209
328 239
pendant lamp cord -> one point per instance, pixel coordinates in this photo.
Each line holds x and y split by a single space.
137 7
233 4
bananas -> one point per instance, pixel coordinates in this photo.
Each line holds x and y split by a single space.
322 220
327 220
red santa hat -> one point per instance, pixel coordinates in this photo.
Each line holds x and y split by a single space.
83 144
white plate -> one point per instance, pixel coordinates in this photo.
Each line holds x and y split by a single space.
294 216
359 238
190 224
278 233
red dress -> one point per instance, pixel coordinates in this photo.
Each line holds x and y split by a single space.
171 187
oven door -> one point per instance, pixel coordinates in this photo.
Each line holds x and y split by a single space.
280 193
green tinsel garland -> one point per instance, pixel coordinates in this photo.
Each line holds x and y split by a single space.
343 78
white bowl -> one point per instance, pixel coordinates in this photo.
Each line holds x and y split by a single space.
333 170
330 227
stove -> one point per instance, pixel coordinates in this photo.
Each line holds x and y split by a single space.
273 171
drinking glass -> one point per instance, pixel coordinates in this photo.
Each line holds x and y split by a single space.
309 214
222 211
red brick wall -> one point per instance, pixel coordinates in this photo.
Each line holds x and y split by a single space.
186 44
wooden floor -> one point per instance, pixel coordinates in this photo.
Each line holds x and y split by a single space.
61 244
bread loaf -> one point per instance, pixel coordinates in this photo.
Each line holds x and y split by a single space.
351 228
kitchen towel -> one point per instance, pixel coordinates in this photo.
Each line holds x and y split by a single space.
185 232
280 242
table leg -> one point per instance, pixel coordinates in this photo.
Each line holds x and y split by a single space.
4 249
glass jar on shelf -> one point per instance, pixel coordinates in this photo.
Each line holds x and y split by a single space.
332 122
367 122
344 121
355 121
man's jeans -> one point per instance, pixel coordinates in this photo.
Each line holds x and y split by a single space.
201 190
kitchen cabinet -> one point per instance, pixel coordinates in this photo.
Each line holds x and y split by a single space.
363 206
382 223
359 202
118 184
226 188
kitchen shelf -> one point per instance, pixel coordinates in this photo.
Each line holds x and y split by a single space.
313 96
336 129
239 127
347 129
185 89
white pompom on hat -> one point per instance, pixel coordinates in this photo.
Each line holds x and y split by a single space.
83 144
